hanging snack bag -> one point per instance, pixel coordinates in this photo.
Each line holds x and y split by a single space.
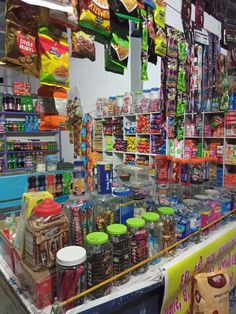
211 293
126 9
110 65
160 13
83 45
119 50
54 55
144 49
160 43
21 33
95 16
152 57
186 11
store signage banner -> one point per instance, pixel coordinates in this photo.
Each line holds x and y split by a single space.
217 254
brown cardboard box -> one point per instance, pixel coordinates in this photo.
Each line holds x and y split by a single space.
41 285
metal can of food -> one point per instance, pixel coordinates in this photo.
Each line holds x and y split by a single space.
104 177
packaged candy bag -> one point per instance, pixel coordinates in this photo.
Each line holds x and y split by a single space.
126 9
160 13
95 16
83 45
160 43
211 293
54 55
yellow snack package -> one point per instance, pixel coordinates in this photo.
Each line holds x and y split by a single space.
54 54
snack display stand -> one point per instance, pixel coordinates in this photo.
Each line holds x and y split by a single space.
143 291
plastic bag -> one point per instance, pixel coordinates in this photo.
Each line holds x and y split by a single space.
54 59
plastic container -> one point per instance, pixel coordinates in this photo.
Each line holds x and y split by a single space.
47 231
163 170
215 205
154 231
139 243
176 170
194 216
80 212
78 185
103 210
40 164
70 273
123 205
118 236
196 171
51 162
205 211
185 172
99 262
168 228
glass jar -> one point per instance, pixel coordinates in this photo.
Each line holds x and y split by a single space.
168 228
205 212
215 206
70 274
119 105
194 216
138 96
182 224
103 210
99 262
226 203
123 205
154 232
120 240
139 243
213 171
163 191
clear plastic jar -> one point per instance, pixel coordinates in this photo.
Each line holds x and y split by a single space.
80 212
185 171
99 262
70 274
215 206
205 212
176 170
154 231
51 162
103 210
163 169
139 243
138 97
196 171
40 164
78 185
226 203
123 203
194 216
168 228
182 224
119 238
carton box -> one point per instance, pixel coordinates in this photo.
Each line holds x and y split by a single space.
6 247
41 285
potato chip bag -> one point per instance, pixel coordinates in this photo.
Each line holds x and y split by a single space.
54 54
95 15
83 45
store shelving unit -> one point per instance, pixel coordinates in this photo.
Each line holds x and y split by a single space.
206 140
119 157
54 135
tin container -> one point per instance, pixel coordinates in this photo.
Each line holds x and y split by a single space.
104 177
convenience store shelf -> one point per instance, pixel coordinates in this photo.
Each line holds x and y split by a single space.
32 133
32 151
18 113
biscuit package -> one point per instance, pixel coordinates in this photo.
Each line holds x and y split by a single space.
211 293
83 45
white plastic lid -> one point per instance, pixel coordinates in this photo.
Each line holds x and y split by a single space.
201 197
71 256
